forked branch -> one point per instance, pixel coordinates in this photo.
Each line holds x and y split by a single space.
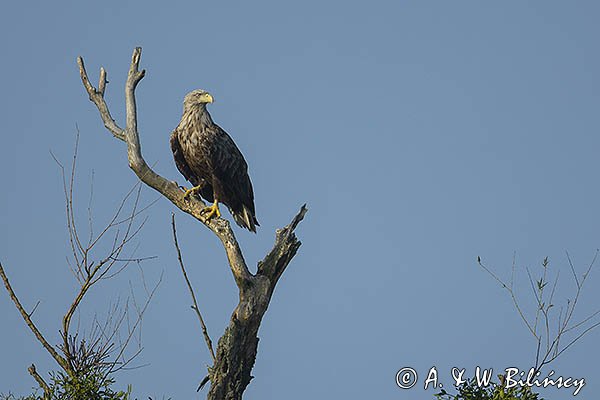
168 189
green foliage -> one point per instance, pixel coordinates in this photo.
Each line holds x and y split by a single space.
93 385
471 391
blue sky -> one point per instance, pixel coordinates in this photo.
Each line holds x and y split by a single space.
421 135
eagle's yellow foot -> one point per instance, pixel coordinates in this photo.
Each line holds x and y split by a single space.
192 191
212 211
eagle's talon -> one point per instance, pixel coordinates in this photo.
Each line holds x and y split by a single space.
212 211
189 192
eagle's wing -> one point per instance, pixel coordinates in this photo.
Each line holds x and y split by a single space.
230 168
180 162
185 169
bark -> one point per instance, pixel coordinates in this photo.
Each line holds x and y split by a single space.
237 348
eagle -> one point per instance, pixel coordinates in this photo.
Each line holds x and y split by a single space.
210 160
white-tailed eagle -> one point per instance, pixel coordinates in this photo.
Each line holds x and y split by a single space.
209 159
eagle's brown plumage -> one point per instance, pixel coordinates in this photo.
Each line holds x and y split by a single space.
209 159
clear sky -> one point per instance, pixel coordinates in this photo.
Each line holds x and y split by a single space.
421 134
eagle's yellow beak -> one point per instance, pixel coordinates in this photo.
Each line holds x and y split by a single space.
207 98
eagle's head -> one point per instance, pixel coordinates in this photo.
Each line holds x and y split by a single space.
197 97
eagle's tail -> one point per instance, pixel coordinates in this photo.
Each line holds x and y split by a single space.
246 219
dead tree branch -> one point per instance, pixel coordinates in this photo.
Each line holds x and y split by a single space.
236 350
51 350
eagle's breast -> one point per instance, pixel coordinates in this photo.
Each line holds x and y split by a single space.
197 146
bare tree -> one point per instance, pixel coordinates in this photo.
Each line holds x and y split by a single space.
552 326
236 349
87 362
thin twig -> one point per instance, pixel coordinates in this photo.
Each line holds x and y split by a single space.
137 260
34 308
189 285
512 295
132 330
572 268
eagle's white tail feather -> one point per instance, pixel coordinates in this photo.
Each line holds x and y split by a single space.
245 219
